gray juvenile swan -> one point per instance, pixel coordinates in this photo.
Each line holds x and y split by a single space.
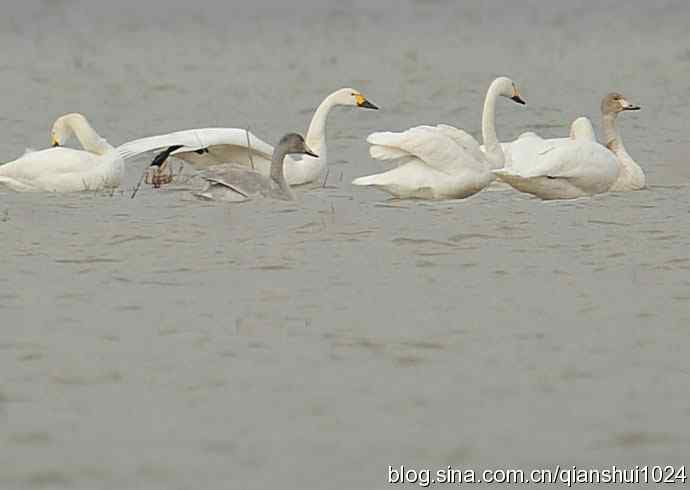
237 183
630 177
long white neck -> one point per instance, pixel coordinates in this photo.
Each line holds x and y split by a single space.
277 172
316 134
630 176
492 147
87 136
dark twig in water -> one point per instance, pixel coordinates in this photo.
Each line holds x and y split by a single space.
141 181
325 179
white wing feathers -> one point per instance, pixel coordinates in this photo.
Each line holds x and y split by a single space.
442 148
196 139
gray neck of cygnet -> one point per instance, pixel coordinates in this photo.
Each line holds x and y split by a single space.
277 170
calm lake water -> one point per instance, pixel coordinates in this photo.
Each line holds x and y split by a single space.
165 343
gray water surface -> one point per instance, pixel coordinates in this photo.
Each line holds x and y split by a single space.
165 343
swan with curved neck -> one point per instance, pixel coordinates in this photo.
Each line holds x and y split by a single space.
237 183
61 169
525 150
212 146
630 177
505 87
561 168
441 162
77 125
290 144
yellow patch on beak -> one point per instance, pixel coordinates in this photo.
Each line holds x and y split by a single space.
55 141
363 102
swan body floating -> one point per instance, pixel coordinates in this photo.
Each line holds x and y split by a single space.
232 182
572 169
58 169
441 162
212 146
529 154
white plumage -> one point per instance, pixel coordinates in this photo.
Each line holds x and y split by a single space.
207 147
560 170
98 166
439 162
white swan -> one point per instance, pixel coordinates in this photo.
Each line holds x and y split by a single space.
238 183
441 162
212 146
523 151
60 169
561 168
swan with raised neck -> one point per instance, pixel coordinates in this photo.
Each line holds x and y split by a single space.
291 143
631 176
316 134
503 87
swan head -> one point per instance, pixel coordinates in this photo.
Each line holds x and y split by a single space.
505 87
63 128
615 103
353 98
294 143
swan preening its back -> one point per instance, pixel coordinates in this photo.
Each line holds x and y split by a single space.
566 168
212 146
97 166
441 162
434 162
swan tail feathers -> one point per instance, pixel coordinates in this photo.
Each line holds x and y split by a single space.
369 180
15 184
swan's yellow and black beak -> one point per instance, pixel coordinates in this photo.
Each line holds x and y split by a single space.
55 143
516 96
364 103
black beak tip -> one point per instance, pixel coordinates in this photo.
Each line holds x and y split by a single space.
56 144
368 105
516 98
312 154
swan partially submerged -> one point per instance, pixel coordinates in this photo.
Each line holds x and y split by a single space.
441 162
212 146
58 169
